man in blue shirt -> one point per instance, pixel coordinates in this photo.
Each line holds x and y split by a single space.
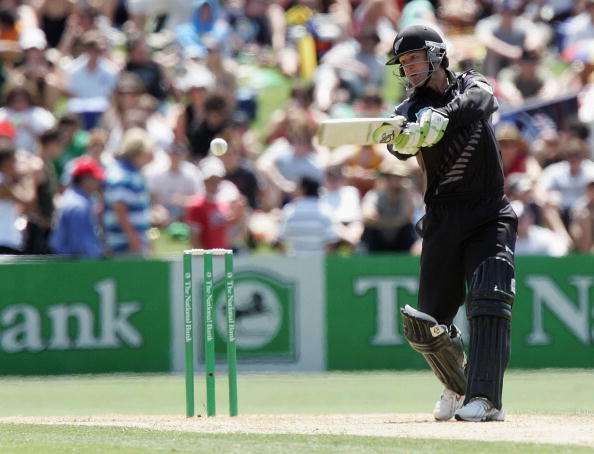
76 232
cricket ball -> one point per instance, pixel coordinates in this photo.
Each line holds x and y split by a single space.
218 146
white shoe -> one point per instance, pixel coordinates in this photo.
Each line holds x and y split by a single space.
447 405
479 409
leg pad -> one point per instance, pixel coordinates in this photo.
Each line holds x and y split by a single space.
441 346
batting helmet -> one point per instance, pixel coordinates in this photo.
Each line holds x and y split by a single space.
415 38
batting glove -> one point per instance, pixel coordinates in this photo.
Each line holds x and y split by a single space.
407 141
432 126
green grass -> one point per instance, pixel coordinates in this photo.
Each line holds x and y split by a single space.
65 439
547 391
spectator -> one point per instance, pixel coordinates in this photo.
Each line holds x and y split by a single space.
527 80
173 12
344 203
251 21
156 123
175 186
76 231
125 100
141 64
7 133
301 99
95 145
127 199
23 17
361 165
388 211
505 34
83 19
41 212
547 146
422 12
29 120
195 85
287 161
53 16
307 226
566 181
519 187
579 28
370 104
9 28
200 131
223 69
536 240
74 142
36 71
206 20
87 59
515 152
240 171
249 144
209 218
90 80
582 227
522 189
353 64
14 195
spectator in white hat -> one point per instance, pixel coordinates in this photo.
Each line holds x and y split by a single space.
37 72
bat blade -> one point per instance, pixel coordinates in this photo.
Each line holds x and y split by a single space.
359 131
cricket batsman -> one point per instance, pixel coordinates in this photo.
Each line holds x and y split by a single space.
469 229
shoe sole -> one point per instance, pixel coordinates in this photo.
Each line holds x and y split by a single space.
494 418
442 419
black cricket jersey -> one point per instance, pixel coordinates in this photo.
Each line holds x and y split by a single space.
466 162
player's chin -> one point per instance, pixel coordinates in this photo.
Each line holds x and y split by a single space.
417 81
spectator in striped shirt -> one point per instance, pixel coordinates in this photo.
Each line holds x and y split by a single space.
127 199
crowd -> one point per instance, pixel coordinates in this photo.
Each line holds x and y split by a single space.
108 107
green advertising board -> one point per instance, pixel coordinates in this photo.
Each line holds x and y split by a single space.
85 316
264 316
553 315
362 300
553 323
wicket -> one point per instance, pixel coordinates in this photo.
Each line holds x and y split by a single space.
208 320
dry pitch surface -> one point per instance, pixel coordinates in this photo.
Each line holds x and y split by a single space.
566 430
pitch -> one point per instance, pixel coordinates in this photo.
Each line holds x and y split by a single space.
332 412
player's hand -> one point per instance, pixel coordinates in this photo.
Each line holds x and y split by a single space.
407 141
387 132
432 126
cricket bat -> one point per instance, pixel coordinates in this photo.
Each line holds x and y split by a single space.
359 131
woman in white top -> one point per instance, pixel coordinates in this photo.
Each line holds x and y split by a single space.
29 120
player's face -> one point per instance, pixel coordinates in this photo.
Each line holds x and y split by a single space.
415 66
